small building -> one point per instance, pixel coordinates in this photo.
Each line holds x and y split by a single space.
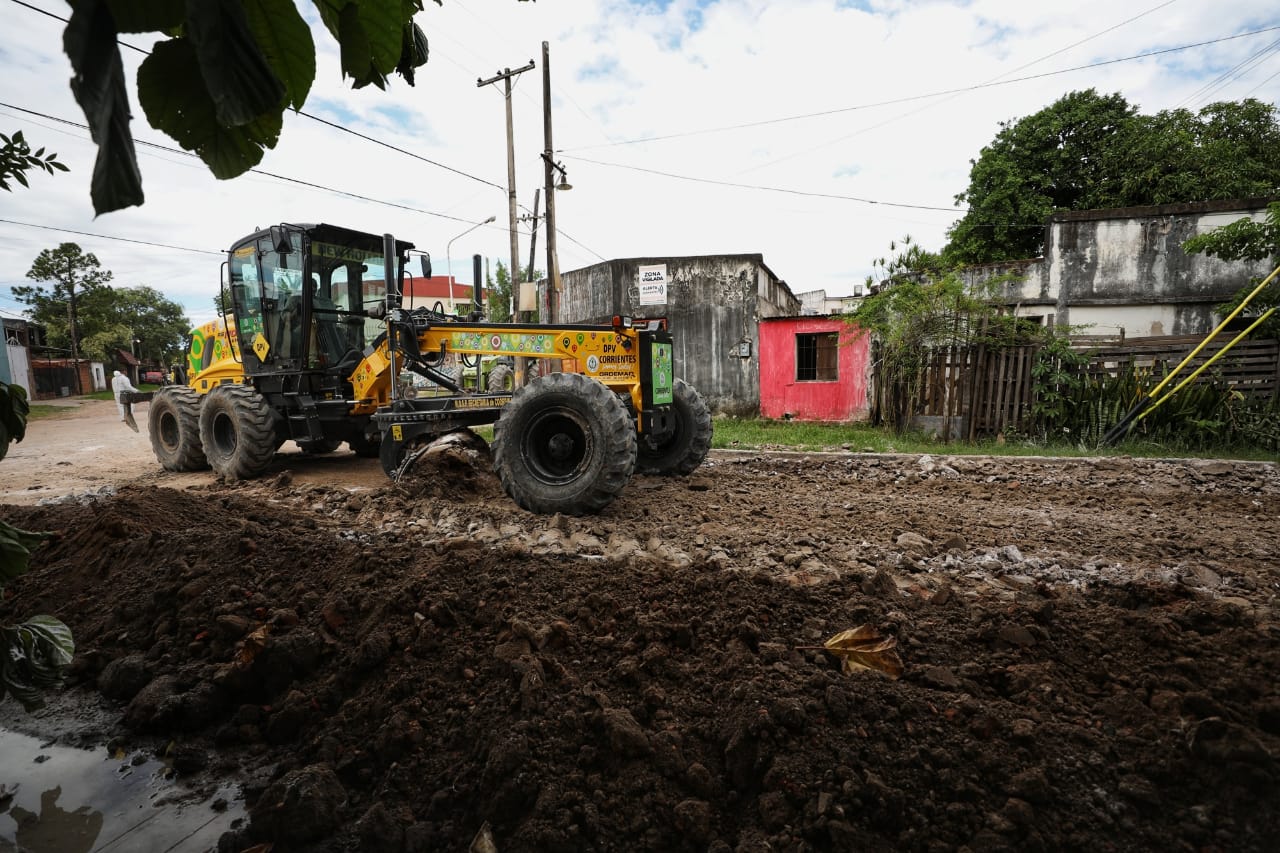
713 305
444 290
1123 273
813 369
15 355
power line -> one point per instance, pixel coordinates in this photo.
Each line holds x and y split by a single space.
952 97
765 188
109 237
910 98
262 172
1205 92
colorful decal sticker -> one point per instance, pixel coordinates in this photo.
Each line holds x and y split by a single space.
508 343
663 380
261 347
593 364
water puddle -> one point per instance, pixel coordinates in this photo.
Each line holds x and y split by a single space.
58 799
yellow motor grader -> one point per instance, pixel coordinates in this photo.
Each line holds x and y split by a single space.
317 345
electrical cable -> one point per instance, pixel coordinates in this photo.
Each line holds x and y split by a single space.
109 237
910 98
951 97
262 172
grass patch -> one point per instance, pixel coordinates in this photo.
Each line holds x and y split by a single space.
40 411
763 434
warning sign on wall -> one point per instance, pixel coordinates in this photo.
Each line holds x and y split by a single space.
653 285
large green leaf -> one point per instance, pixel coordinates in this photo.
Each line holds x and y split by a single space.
33 657
173 96
353 43
234 150
16 546
383 22
287 44
375 37
146 16
236 74
14 409
99 87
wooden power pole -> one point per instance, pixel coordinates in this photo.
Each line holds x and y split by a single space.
505 76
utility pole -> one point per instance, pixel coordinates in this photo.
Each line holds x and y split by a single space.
533 244
505 76
71 322
548 159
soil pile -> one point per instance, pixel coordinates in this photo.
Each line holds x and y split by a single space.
1090 651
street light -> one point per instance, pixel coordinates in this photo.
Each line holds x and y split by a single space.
448 261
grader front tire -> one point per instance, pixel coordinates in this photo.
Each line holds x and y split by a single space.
565 443
237 428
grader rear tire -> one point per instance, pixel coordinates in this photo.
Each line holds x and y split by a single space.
502 378
173 425
565 443
237 428
681 452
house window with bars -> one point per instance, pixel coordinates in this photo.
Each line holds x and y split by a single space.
816 359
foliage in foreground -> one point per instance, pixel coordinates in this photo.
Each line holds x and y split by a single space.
35 653
17 158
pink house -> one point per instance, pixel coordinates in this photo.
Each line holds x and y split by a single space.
813 369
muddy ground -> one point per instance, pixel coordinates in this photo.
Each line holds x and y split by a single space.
1090 652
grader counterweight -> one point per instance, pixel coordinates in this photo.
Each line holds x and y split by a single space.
316 344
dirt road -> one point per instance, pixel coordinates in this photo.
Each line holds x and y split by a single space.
1089 649
85 447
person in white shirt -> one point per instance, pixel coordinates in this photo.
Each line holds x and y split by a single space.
119 384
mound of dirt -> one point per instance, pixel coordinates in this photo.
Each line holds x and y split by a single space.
1090 651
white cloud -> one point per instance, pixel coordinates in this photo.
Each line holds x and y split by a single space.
621 72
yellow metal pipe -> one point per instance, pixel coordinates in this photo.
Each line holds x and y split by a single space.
1213 334
1211 360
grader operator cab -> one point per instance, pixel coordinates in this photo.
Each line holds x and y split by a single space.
316 341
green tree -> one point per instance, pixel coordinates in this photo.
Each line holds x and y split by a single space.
502 294
1247 240
221 75
499 287
16 159
1045 162
105 318
917 303
1089 151
68 268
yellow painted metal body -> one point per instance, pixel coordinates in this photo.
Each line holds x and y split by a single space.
610 355
213 356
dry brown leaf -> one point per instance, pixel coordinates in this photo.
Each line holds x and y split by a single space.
252 644
865 648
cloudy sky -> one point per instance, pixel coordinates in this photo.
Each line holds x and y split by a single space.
813 132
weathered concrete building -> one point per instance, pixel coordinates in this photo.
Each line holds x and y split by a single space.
713 305
1123 271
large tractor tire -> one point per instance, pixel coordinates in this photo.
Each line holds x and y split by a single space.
237 428
501 379
174 427
681 452
565 443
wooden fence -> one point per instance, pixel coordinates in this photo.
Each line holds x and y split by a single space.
1251 367
972 391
